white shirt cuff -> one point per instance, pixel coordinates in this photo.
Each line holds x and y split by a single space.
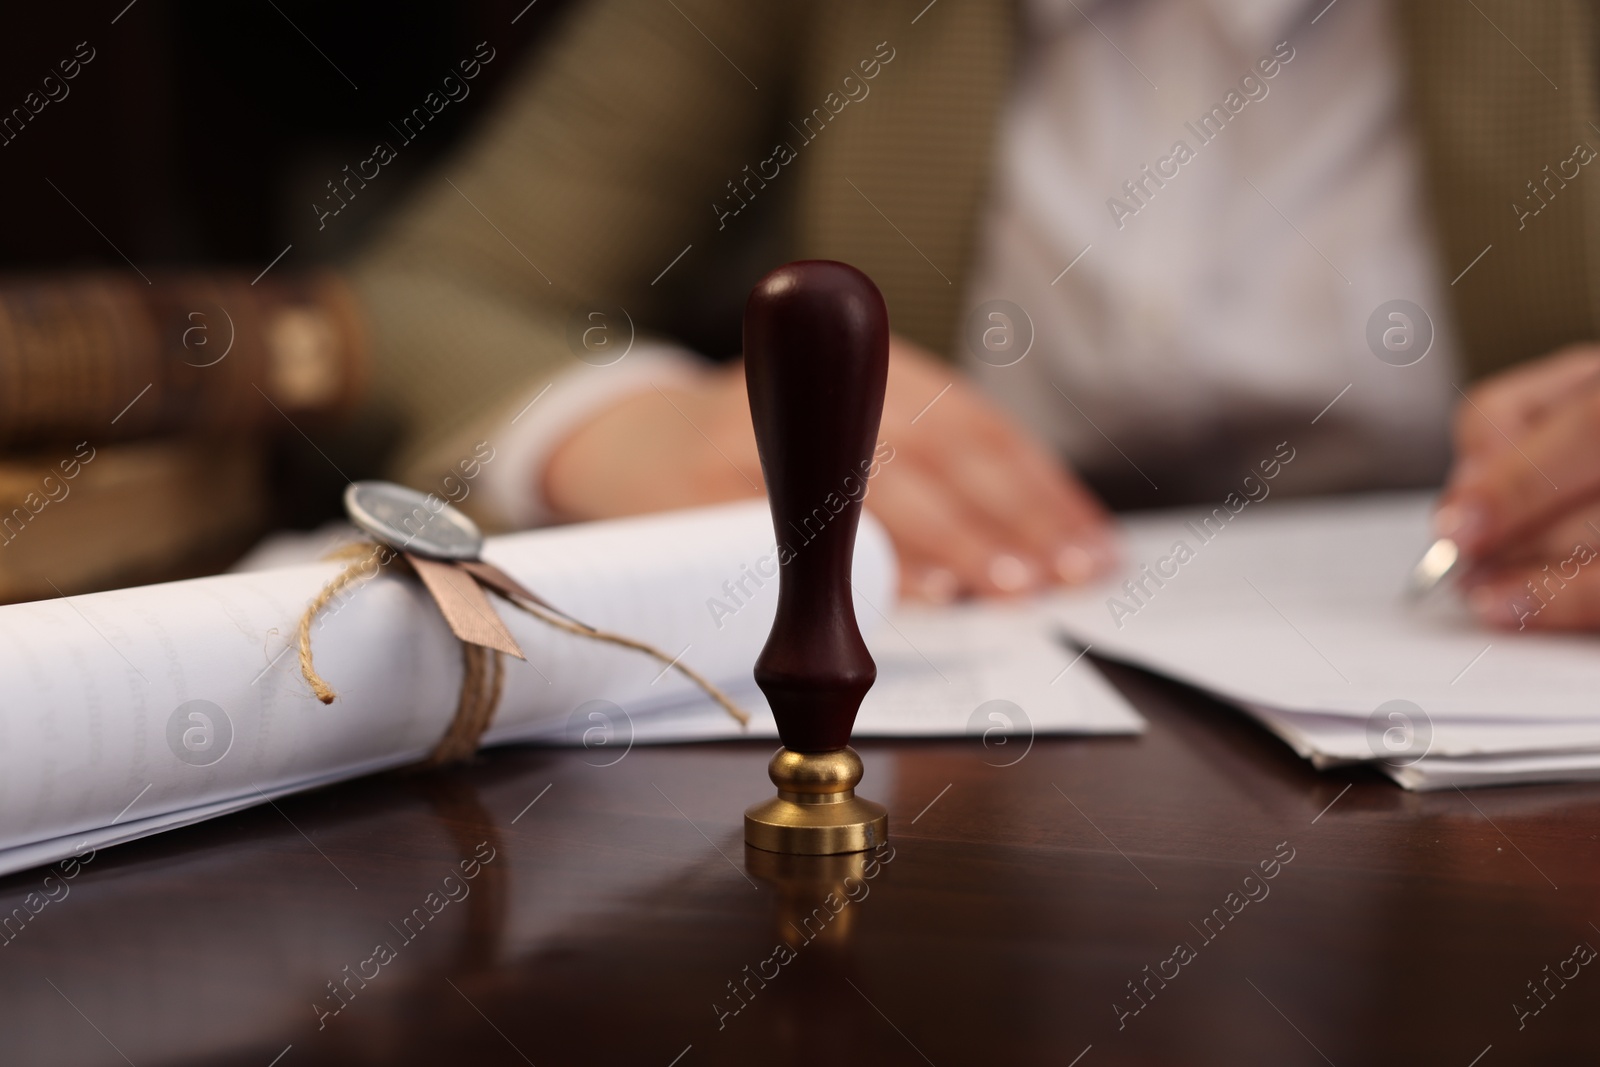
513 486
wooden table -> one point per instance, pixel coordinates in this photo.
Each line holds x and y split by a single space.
1019 908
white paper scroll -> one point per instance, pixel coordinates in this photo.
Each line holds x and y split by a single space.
127 712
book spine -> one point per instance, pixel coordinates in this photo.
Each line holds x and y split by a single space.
112 357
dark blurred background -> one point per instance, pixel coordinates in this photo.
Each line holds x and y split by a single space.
199 135
202 132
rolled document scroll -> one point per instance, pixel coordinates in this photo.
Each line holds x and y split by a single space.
132 711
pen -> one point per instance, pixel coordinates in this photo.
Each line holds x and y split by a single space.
1438 563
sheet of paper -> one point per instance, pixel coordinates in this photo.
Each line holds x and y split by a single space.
1333 739
1295 608
996 672
1467 772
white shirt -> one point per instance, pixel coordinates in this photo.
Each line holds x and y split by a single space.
1231 307
1219 311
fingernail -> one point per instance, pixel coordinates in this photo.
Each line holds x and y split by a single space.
1463 522
1012 574
1075 564
1103 549
1079 563
1493 606
937 585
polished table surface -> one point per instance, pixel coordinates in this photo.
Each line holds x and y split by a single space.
615 917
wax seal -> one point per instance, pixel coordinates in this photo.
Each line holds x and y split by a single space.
412 522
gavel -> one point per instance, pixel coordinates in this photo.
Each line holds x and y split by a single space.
816 349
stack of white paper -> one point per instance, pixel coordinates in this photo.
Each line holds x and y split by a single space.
129 712
1295 612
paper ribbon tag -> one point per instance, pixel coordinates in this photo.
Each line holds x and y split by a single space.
464 604
498 580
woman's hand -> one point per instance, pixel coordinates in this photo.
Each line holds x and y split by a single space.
1548 582
974 506
1523 501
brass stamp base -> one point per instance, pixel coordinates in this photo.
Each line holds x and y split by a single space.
816 811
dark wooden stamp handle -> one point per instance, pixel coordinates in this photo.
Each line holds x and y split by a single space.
816 349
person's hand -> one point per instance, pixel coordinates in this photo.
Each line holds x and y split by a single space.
974 506
1523 501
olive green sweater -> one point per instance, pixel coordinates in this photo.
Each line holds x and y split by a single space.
661 155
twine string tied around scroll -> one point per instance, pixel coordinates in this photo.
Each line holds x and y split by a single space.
483 667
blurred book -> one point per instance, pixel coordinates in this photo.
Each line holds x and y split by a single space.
83 518
110 356
136 417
